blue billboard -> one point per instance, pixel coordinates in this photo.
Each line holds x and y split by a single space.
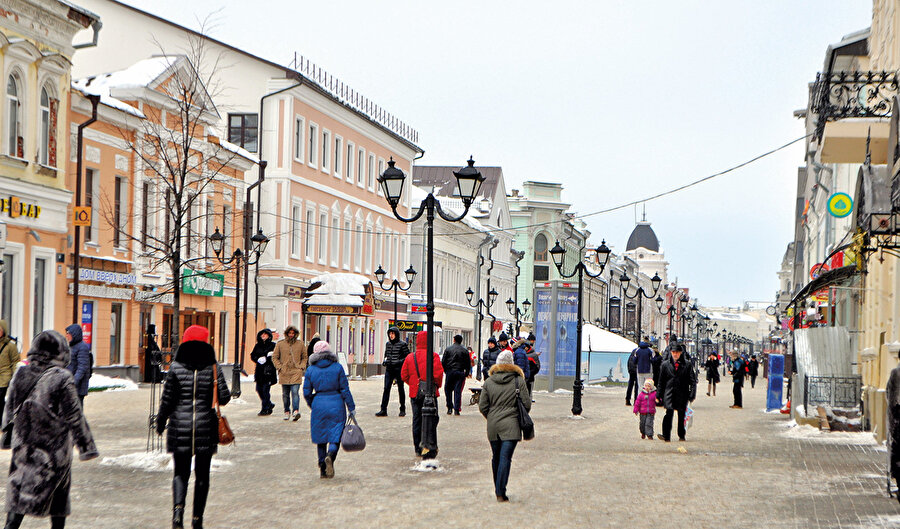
567 337
542 327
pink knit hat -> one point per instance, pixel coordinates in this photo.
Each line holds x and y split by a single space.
321 346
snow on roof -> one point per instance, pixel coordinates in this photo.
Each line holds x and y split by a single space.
345 290
240 151
106 99
595 339
730 316
138 75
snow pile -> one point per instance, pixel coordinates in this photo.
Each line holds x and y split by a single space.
562 391
154 462
575 417
342 289
237 400
104 383
428 465
795 431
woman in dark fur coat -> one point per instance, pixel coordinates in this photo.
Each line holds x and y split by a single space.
43 405
187 407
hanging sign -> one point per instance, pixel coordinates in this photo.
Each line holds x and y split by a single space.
840 205
81 216
202 284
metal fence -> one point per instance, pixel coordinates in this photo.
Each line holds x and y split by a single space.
835 392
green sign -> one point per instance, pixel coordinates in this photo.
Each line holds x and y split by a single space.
202 284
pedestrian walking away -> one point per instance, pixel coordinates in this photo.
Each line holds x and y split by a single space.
47 420
712 373
290 358
414 369
677 388
9 358
753 370
395 352
264 374
186 411
644 359
892 390
81 363
498 404
521 349
737 376
456 364
489 356
327 393
645 408
534 365
632 378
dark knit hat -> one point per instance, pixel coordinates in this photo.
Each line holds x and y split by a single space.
503 337
531 337
492 340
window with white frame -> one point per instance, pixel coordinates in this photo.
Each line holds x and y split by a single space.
227 223
335 240
378 242
367 252
380 171
47 149
310 234
91 181
322 228
357 261
326 150
119 211
338 155
15 143
296 231
313 142
347 234
360 166
351 155
389 255
210 222
371 172
299 125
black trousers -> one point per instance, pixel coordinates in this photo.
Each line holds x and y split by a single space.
632 387
667 424
738 396
752 381
391 374
264 390
201 480
416 407
453 389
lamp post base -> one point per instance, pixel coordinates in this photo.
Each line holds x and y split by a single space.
577 388
429 425
236 380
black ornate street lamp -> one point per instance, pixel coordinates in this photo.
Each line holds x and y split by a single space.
640 294
395 285
670 310
240 258
468 182
601 256
479 304
517 312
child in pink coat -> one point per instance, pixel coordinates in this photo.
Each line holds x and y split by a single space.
645 406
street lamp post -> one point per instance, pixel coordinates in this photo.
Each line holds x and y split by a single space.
514 310
240 258
395 285
468 181
601 256
492 297
639 295
670 310
515 301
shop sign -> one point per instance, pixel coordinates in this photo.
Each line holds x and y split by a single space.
102 291
290 291
411 326
87 321
419 308
368 308
16 208
203 284
840 205
817 270
103 276
81 216
150 296
332 309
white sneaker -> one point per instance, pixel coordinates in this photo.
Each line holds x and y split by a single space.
287 415
296 415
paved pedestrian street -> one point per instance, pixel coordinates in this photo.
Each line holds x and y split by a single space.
738 468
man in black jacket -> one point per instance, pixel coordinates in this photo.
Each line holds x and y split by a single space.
678 387
632 378
456 365
395 351
489 356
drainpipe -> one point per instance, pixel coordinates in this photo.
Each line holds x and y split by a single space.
479 260
95 101
96 25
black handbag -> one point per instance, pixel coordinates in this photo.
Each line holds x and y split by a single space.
422 389
525 422
352 440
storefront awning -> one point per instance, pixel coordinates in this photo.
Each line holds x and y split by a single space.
831 277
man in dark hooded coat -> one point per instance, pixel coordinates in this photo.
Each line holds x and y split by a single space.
265 374
395 352
893 403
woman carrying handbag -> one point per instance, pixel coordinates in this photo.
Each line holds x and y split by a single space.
327 392
187 406
501 397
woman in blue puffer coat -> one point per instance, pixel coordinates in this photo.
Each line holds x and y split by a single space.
327 393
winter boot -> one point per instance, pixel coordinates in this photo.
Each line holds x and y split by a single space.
14 520
322 470
329 466
178 517
381 413
197 522
402 412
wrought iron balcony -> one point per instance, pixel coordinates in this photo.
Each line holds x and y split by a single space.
840 95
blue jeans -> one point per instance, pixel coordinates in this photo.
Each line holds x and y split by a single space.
325 449
500 464
290 395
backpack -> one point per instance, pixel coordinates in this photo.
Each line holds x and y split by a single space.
535 367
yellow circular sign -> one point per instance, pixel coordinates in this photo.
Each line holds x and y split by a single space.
840 204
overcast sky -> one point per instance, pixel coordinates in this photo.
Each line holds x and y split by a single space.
617 100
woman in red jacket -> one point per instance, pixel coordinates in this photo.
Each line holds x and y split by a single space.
413 370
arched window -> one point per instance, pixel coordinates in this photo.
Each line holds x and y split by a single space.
14 141
540 248
44 150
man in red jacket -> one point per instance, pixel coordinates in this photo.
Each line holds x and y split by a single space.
414 368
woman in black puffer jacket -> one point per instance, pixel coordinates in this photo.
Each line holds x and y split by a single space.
187 407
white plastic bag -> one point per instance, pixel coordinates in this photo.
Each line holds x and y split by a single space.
688 418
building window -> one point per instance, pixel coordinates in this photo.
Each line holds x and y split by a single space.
371 172
242 130
39 301
89 179
351 155
540 248
15 145
323 237
227 219
335 240
366 255
145 214
338 155
115 334
360 166
380 171
223 335
310 221
326 150
210 225
313 139
378 242
358 247
47 150
298 138
347 234
117 213
296 231
7 293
